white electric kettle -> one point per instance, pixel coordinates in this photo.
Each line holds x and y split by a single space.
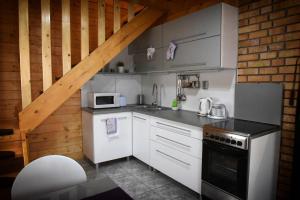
205 106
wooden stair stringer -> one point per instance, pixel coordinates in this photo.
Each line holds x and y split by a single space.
42 107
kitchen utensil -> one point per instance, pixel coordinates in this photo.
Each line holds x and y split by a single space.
205 106
121 69
123 101
140 99
218 111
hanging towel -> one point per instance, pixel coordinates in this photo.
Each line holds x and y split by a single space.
171 51
111 127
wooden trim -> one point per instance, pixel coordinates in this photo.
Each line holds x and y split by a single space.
43 106
25 147
84 29
46 44
24 53
101 21
130 10
66 36
117 16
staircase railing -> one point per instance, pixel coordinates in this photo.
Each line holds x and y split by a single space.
54 95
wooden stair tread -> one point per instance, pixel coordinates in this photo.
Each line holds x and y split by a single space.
9 124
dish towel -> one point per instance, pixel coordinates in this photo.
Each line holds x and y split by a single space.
111 127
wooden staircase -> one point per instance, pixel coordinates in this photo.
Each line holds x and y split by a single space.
53 96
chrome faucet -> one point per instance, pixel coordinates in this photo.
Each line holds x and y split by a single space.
154 94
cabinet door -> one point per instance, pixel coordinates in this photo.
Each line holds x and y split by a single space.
202 24
151 37
109 148
141 137
142 64
194 55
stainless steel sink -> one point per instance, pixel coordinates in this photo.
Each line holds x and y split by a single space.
151 107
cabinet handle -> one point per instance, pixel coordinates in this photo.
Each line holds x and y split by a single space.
188 164
139 117
188 37
174 141
119 118
184 131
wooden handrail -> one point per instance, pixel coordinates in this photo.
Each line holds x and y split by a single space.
35 113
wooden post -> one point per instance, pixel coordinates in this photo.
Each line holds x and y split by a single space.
101 21
25 147
46 44
130 10
84 29
117 16
24 53
66 36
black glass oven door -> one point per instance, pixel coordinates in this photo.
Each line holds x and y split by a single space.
225 167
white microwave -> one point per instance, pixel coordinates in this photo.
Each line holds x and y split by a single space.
103 100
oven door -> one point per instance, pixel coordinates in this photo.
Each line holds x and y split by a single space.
225 168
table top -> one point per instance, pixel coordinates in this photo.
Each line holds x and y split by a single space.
100 189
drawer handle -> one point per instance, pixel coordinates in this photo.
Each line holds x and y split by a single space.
139 118
174 127
188 164
174 141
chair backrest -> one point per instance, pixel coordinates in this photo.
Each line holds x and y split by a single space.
47 174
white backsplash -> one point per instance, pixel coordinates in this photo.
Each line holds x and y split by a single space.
221 89
127 85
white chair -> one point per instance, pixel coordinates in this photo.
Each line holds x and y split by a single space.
47 174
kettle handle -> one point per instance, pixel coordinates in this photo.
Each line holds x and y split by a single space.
210 104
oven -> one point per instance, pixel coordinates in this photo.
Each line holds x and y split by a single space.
224 171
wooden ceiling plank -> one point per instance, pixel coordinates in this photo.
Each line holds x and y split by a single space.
117 16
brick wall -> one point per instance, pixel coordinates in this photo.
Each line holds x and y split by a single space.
269 44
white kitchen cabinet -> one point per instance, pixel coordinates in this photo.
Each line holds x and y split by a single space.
97 145
141 137
176 150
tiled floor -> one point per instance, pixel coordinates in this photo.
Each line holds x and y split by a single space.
139 181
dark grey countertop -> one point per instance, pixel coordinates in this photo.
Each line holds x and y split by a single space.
182 116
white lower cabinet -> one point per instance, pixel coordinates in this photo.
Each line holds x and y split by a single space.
177 165
97 145
141 137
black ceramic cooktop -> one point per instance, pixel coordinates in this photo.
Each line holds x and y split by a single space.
245 127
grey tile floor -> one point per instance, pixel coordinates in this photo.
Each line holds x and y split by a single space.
137 180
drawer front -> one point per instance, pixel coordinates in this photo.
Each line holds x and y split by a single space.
176 141
177 165
179 128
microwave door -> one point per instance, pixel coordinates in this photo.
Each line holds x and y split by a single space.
104 100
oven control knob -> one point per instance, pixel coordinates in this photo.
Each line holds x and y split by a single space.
222 139
227 140
212 136
217 137
233 142
239 143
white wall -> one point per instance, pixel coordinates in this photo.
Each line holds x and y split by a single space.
221 89
127 85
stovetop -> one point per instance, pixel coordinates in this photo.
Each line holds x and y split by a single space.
244 127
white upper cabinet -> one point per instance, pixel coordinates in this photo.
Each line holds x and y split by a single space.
202 24
207 39
150 38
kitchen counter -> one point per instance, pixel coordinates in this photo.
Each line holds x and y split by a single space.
181 116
